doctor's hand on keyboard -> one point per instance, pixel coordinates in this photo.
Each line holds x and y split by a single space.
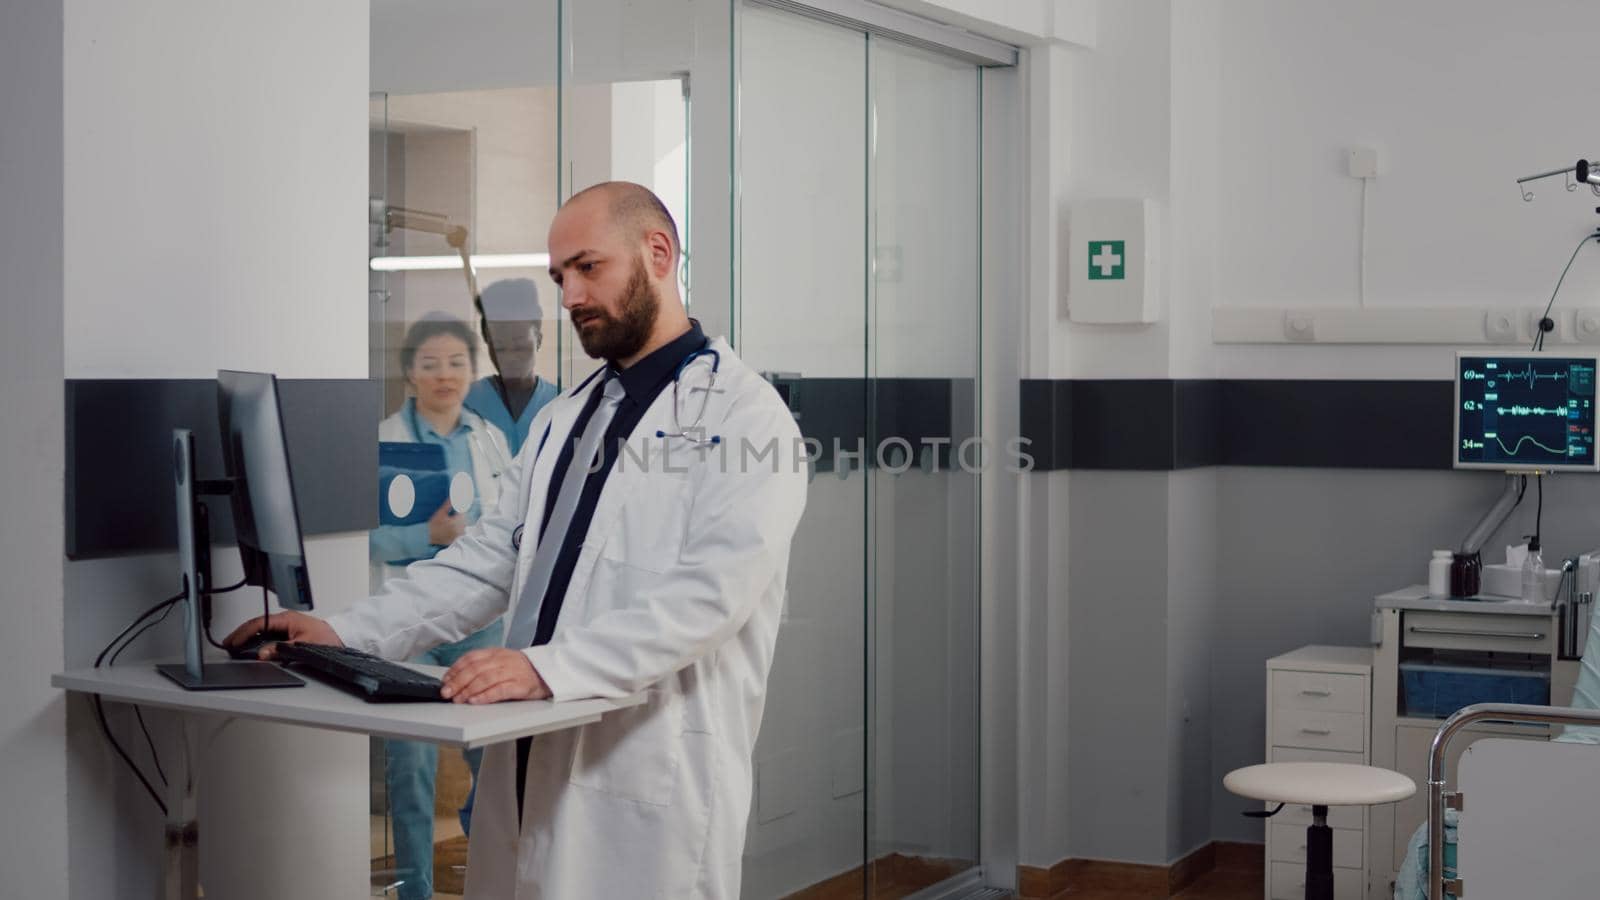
282 626
491 676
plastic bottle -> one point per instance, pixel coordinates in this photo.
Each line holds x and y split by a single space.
1439 573
1533 574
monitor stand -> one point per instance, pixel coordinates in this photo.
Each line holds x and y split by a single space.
229 676
194 555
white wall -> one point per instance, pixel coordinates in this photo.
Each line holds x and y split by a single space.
1115 106
214 181
1199 143
419 45
207 185
1234 117
33 778
1460 101
1137 595
1018 21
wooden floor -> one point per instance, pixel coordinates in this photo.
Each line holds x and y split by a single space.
1240 883
1218 884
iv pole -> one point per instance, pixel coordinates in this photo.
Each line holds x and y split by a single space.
1586 172
1582 172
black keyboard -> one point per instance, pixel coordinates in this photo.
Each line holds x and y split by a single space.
376 680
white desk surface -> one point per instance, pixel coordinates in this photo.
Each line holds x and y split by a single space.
321 705
1416 597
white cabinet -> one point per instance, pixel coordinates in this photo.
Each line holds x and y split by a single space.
1319 709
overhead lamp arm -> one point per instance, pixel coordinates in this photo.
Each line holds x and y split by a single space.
392 217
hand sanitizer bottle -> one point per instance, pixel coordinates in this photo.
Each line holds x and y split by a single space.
1533 574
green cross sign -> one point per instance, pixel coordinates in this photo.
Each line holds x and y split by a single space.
1106 260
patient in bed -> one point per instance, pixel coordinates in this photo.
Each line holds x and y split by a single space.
1412 881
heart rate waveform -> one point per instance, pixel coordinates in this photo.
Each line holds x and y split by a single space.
1533 376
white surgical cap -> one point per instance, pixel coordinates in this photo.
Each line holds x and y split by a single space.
512 300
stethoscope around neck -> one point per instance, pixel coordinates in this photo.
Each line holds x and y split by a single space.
498 461
693 433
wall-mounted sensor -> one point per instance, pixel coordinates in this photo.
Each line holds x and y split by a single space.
1500 327
1587 326
1362 162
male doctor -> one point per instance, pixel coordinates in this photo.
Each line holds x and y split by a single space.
657 566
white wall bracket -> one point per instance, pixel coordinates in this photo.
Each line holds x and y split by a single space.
1503 325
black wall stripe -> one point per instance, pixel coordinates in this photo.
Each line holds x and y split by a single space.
1167 424
118 488
852 413
119 458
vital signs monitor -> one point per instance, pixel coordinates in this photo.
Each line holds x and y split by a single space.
1525 411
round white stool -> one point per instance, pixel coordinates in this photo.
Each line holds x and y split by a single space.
1319 785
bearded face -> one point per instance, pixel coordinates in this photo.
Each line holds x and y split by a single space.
618 335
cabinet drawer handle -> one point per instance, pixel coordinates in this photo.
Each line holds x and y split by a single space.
1468 632
1309 692
1321 732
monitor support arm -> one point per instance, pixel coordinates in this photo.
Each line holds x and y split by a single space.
1497 514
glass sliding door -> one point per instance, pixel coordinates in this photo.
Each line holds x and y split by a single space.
464 159
802 303
923 338
632 79
858 240
625 81
825 182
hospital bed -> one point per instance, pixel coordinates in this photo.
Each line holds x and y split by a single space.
1522 820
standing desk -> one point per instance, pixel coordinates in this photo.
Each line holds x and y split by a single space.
316 705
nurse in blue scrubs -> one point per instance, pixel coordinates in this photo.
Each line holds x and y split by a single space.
513 329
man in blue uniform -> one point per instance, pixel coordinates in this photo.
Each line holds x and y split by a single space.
513 327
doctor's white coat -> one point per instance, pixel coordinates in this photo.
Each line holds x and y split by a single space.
677 592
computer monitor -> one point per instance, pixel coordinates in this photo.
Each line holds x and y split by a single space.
266 523
265 518
1525 411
